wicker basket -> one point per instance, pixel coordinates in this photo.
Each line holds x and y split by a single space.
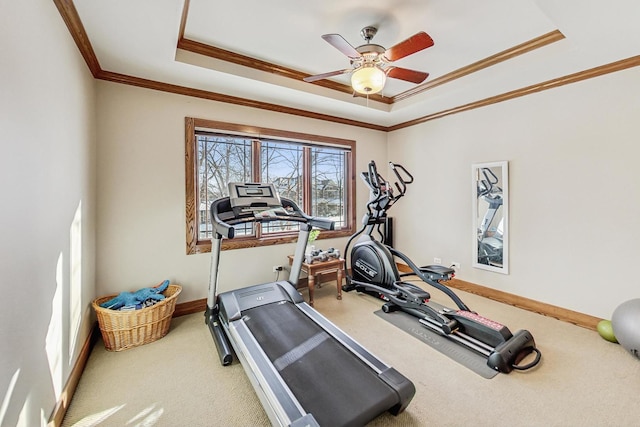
125 329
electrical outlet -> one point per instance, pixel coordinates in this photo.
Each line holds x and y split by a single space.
437 260
455 265
277 268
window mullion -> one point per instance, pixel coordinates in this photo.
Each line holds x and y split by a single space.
256 163
306 179
349 189
256 174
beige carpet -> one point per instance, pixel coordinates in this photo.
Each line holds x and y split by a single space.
583 380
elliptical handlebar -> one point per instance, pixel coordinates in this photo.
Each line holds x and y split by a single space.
485 186
374 178
382 197
403 176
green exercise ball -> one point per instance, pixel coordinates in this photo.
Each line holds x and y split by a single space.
605 329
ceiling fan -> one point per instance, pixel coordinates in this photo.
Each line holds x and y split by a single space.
372 64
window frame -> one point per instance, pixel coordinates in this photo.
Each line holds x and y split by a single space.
195 245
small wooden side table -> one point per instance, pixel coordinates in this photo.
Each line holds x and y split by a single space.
333 265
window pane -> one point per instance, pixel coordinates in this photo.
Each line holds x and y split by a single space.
301 166
282 166
221 159
328 198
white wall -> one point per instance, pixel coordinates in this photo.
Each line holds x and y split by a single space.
141 190
574 207
572 180
47 220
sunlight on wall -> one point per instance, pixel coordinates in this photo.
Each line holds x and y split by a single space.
53 342
75 283
7 396
29 416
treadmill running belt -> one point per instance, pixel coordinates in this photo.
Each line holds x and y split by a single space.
330 383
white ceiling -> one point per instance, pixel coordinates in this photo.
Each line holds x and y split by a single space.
139 38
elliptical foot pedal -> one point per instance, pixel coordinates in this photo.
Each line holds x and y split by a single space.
413 291
438 272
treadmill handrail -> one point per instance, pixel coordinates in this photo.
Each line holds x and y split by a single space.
223 217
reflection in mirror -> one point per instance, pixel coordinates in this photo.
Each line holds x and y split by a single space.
490 216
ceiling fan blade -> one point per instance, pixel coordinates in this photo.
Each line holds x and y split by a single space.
337 41
413 44
412 76
310 79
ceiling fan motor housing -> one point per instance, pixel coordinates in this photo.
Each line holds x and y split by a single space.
371 54
371 49
368 33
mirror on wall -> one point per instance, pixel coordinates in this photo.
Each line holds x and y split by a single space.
490 183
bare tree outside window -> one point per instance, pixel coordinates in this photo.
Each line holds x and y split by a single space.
281 164
221 159
328 179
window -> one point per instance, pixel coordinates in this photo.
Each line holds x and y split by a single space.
314 171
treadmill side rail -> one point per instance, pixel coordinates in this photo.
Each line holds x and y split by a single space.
405 388
306 421
281 406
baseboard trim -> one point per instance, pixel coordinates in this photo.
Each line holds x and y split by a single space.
566 315
59 411
563 314
190 307
200 305
55 420
570 316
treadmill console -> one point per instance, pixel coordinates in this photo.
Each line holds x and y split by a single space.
258 202
253 197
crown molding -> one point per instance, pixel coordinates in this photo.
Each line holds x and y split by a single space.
70 16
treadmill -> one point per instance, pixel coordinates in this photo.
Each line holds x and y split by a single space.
305 370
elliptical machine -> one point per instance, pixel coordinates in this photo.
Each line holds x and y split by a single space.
374 271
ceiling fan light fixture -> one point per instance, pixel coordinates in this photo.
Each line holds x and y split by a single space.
368 79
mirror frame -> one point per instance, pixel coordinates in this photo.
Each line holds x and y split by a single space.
504 184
